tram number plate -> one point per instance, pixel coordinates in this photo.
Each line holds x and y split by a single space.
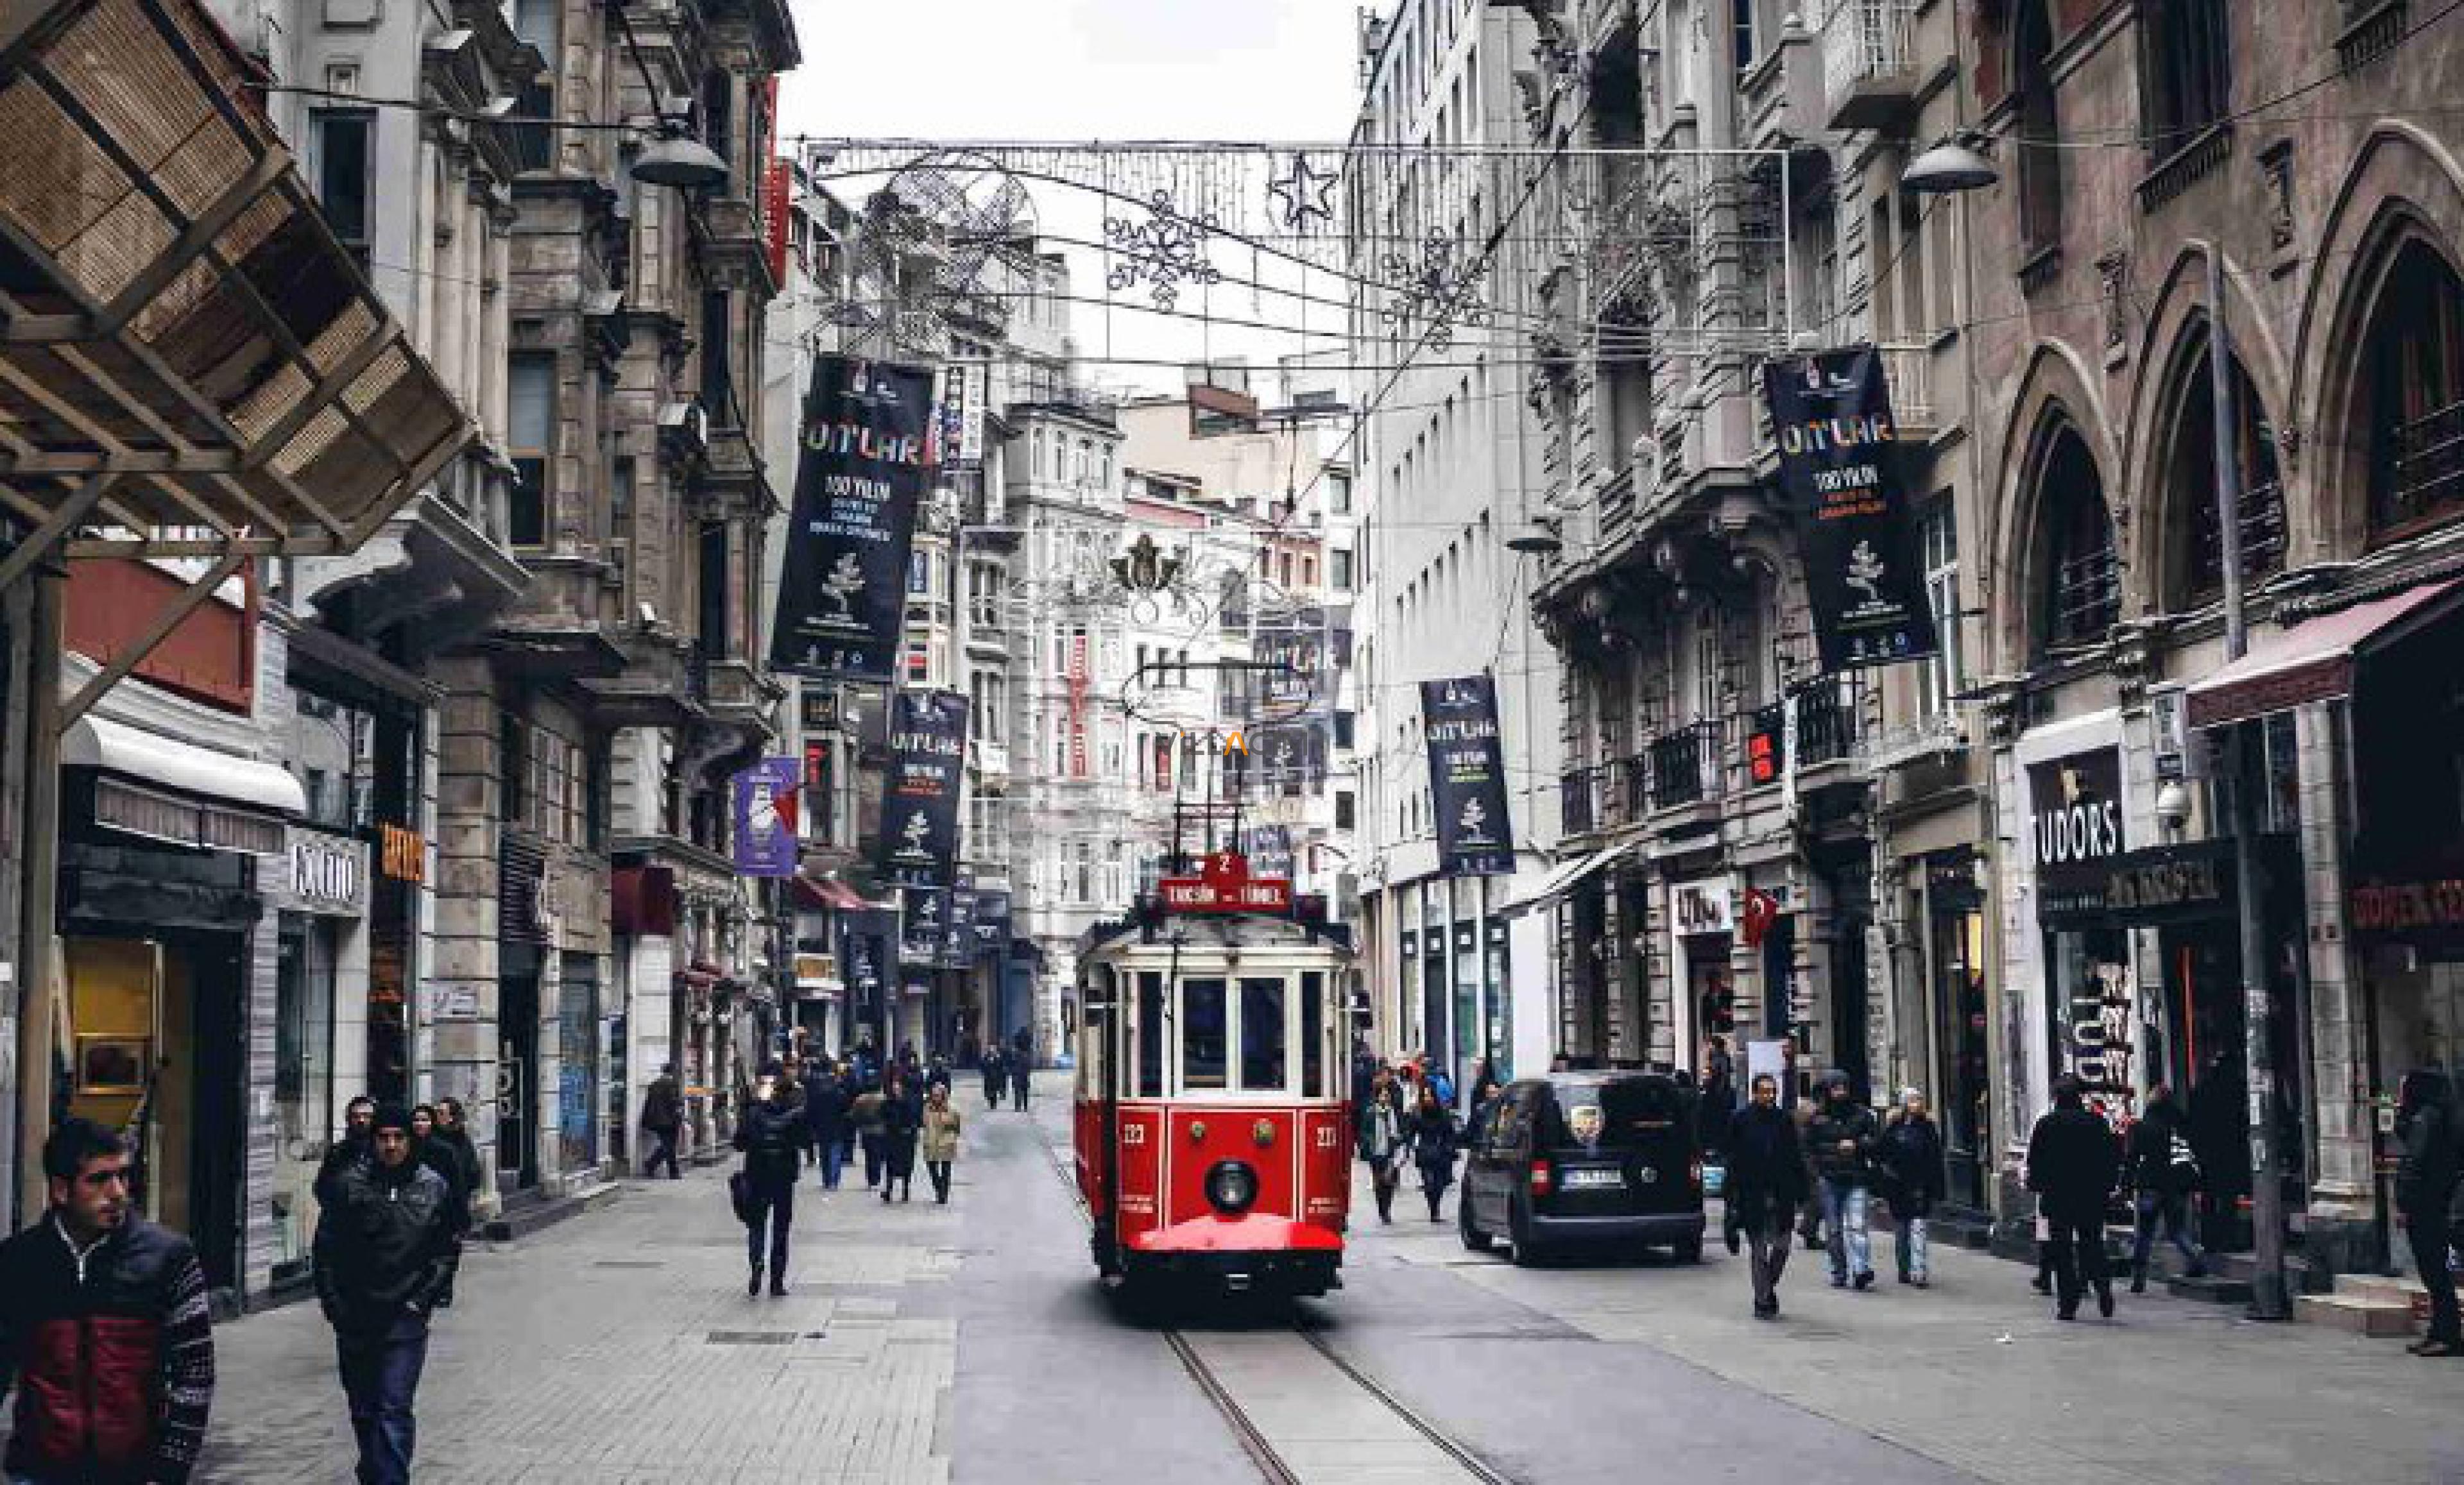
1326 1136
1134 1134
1574 1178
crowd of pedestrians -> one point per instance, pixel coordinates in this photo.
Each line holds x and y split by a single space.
830 1113
1821 1172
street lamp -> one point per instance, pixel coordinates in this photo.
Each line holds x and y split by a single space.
1536 541
1954 164
676 158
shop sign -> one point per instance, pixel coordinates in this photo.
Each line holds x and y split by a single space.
2395 909
2076 808
1702 907
402 854
328 873
2167 881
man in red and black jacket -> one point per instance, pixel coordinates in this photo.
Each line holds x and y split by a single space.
103 1328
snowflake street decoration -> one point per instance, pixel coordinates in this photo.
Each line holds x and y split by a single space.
1300 195
1440 287
1164 251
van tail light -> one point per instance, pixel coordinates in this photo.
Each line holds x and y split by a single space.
1541 1175
1694 1173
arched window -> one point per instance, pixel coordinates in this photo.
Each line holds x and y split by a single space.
2193 540
2412 394
2189 72
2041 161
2079 589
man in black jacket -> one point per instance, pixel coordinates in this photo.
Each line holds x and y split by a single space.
772 1134
2425 1188
1765 1185
1842 1137
2073 1160
385 1253
825 1112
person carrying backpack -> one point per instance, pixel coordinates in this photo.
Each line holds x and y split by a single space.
2164 1174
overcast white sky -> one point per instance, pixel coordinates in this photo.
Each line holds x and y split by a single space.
1085 70
1075 69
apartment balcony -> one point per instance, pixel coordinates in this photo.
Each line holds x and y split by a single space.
655 685
1580 795
731 477
1870 68
1908 370
1685 766
2424 473
734 252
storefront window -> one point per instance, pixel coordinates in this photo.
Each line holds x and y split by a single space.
2089 996
303 1080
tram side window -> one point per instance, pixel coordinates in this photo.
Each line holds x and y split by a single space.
1263 1038
1313 1035
1151 1034
1203 1032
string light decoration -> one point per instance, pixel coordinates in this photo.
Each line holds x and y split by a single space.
1300 194
1433 293
1164 251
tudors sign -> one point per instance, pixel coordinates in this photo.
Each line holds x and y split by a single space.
1838 468
865 454
1467 777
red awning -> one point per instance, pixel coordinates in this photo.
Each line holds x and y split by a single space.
2310 661
831 894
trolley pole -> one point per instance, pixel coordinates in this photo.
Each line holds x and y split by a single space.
2269 1297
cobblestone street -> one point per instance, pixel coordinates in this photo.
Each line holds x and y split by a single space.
925 1344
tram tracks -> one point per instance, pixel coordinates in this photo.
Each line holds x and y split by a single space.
1304 1413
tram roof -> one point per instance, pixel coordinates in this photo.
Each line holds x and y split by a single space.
1204 931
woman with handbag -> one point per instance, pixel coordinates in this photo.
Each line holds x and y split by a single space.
772 1135
1434 1138
902 1120
1380 1143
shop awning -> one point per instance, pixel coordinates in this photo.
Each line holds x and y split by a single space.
2313 660
190 363
1562 877
165 789
831 894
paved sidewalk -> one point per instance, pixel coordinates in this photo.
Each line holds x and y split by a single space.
620 1349
1974 1372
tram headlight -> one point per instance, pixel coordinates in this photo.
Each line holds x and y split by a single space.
1231 1186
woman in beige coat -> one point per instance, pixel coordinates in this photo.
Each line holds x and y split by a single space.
941 1124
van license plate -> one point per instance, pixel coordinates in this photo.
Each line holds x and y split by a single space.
1574 1178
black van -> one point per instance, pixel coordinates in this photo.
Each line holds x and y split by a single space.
1605 1157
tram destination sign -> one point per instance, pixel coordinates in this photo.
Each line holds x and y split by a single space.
1223 885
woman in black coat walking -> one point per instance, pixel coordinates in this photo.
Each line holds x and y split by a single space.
902 1116
1434 1138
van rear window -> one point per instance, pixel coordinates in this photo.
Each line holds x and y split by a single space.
1616 1113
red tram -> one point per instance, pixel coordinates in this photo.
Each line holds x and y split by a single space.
1213 1132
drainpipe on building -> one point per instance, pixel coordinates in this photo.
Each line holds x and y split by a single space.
2269 1297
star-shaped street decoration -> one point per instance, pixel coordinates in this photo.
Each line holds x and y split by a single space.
1301 194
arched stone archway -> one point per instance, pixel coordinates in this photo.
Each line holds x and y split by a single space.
2161 520
2057 394
2400 202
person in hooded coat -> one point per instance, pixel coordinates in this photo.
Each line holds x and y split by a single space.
1435 1139
1911 1160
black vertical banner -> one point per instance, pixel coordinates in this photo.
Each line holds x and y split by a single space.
924 910
1467 777
919 800
860 474
1839 471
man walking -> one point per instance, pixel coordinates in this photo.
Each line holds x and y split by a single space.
351 1147
663 1115
384 1252
994 1083
1765 1185
2425 1187
826 1113
1021 1061
770 1132
2073 1159
1843 1136
2163 1172
104 1326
